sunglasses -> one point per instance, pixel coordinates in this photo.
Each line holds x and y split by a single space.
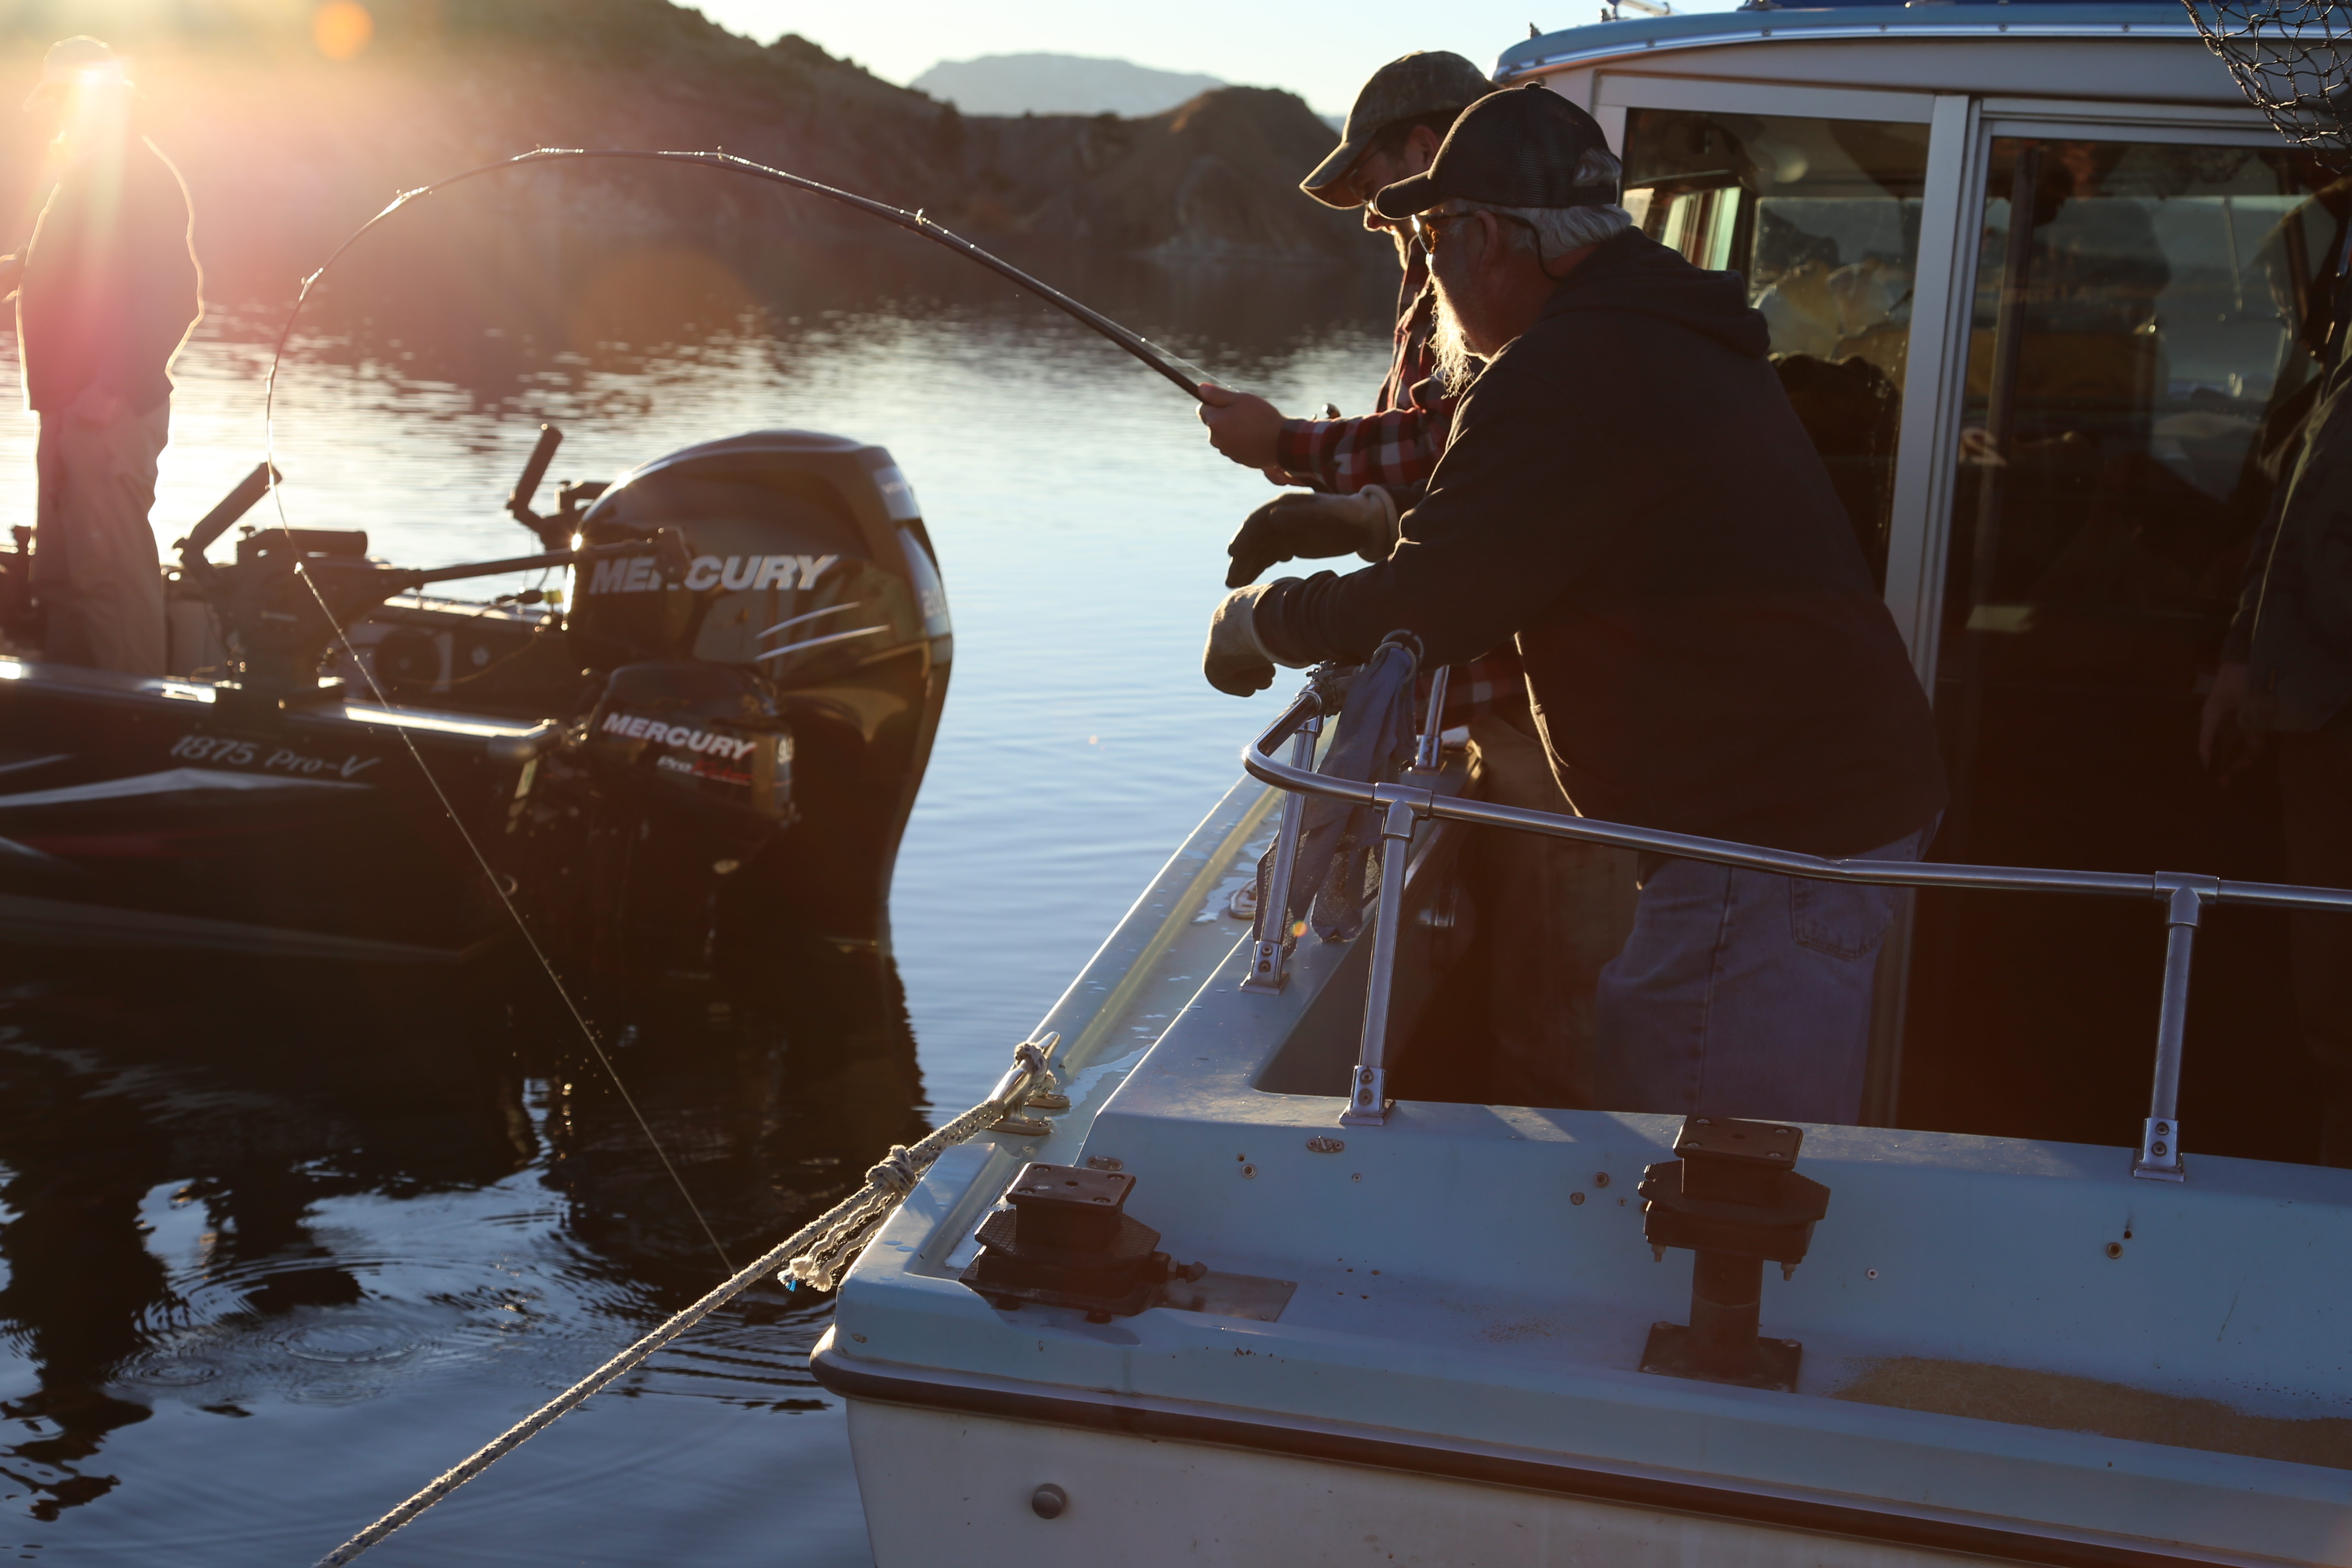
1426 228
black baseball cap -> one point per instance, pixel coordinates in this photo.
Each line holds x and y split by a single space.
1515 149
1426 81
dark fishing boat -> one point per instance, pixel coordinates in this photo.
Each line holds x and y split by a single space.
723 726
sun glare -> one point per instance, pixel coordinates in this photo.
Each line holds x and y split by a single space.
341 28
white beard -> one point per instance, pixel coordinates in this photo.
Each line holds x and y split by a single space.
1455 364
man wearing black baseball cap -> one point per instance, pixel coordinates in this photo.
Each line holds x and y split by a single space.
1628 492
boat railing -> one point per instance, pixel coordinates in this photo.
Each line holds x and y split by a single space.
1404 804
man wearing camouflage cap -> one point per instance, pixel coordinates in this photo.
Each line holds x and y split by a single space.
1399 116
1360 473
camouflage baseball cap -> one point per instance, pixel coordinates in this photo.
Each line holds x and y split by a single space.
1426 81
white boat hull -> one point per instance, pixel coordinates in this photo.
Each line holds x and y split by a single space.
947 1486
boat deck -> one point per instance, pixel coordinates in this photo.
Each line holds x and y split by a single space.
2010 1348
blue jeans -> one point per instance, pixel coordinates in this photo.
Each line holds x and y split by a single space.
1744 993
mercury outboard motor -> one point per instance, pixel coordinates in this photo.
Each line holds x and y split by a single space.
759 723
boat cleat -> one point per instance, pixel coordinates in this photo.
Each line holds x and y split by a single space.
1734 1199
1067 1241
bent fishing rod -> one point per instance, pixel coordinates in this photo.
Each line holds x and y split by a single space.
1187 377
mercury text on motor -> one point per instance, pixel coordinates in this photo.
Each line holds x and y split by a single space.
639 574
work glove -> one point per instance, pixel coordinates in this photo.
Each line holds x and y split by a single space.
1310 525
1234 661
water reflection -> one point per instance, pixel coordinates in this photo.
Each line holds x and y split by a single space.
231 1186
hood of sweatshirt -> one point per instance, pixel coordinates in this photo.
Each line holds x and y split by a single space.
1634 274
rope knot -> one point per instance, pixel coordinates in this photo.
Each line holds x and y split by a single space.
1029 1055
896 1173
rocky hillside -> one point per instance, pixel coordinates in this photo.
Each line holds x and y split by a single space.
285 149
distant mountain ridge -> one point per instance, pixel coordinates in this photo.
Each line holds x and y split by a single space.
1059 84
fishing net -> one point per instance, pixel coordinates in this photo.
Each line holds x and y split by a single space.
2293 58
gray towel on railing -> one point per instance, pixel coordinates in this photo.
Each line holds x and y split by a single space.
1374 740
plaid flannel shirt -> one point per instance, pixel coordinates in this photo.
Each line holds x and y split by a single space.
1398 442
1397 445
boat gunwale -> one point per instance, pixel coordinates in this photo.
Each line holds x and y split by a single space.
198 700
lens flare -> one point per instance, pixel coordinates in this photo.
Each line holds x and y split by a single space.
341 28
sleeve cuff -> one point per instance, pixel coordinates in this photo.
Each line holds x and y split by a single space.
1293 450
1265 617
1388 524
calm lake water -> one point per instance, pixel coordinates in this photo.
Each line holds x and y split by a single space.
281 1243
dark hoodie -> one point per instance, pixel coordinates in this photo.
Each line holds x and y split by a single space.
1629 492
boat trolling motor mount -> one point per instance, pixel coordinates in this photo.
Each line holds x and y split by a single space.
1735 1200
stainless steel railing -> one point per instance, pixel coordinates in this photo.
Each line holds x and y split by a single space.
1405 805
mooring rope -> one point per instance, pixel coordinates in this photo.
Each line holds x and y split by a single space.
816 1254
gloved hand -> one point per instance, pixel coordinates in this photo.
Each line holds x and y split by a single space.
1304 523
1234 661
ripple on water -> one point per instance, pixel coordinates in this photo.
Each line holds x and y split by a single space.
173 1366
344 1343
331 1335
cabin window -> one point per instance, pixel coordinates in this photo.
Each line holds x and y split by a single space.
2138 365
1821 218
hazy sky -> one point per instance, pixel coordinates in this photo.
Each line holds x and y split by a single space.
1322 52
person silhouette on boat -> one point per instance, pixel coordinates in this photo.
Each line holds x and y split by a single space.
107 292
1628 492
2097 265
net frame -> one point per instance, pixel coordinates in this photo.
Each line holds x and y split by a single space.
2292 59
